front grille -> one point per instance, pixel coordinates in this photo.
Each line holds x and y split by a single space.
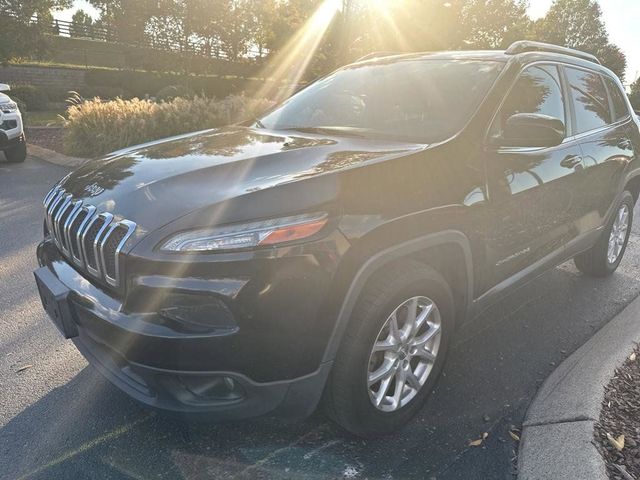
92 241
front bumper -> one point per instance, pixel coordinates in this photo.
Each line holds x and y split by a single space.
220 375
11 130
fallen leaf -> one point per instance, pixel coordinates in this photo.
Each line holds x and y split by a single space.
632 357
618 443
23 368
478 442
514 435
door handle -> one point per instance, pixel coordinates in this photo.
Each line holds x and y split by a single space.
571 161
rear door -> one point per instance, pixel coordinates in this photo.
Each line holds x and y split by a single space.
601 121
532 194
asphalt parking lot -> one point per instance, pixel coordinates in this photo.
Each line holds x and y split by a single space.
60 419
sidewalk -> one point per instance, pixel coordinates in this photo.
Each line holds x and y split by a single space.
54 157
558 433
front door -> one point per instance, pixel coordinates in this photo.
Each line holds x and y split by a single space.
532 193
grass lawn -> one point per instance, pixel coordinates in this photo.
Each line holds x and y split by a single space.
46 118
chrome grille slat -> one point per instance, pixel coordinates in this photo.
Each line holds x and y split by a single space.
129 228
97 243
56 219
52 193
90 241
52 208
75 211
78 253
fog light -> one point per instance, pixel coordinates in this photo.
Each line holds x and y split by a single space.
198 313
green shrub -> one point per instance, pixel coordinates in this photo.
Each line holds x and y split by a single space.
95 127
35 98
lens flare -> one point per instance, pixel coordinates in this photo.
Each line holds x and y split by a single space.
288 66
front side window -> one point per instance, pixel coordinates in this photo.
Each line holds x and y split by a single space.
425 100
589 99
537 90
618 99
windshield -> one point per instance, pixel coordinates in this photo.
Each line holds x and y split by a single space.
419 100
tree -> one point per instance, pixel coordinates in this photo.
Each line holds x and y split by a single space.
20 35
81 24
578 24
165 25
491 24
127 18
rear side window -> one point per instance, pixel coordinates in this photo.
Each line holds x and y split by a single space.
618 99
589 99
537 90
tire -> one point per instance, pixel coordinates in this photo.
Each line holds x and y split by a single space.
16 154
347 399
596 261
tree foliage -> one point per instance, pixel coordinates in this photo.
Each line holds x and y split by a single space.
81 24
492 24
243 29
578 24
19 35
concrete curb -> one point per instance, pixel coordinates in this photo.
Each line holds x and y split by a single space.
54 157
557 437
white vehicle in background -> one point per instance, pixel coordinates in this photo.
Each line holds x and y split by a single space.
12 139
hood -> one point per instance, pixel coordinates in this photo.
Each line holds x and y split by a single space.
156 183
4 98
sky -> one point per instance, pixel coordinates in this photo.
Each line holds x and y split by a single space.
621 18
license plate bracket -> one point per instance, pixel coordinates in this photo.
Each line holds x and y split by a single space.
55 300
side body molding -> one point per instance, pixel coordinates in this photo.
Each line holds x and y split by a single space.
412 246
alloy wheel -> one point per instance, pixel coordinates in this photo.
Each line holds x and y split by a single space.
403 354
618 234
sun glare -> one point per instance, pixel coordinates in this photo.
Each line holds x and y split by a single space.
287 68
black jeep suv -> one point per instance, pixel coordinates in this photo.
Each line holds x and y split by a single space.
328 250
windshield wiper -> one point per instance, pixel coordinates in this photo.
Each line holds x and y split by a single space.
258 123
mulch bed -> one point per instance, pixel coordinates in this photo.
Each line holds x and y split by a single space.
49 137
621 416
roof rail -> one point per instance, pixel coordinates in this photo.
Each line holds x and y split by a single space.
371 55
528 46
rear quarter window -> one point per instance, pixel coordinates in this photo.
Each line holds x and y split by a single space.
618 99
589 98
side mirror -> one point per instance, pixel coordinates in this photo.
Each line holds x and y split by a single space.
532 130
4 87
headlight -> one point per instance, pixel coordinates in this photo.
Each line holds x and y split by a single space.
247 235
9 107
